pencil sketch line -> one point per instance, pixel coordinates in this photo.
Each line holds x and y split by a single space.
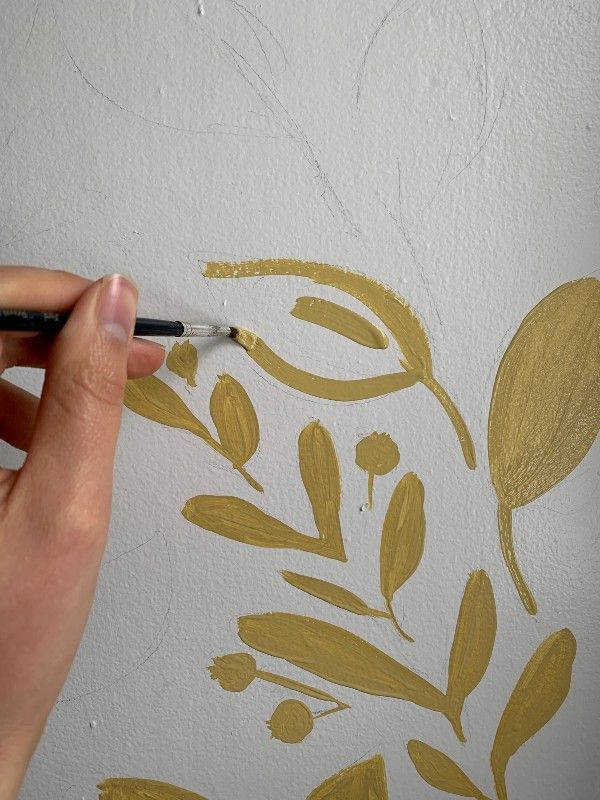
248 24
484 70
486 140
266 28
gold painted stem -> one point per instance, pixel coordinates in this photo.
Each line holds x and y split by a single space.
396 624
301 688
506 542
370 489
339 707
464 437
453 716
218 448
252 481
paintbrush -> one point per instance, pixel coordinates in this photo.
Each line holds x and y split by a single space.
51 322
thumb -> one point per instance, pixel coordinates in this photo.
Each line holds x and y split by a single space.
68 471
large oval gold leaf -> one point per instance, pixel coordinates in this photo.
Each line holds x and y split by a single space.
363 781
539 693
182 360
338 656
235 419
331 593
340 320
403 535
143 789
152 398
242 521
320 472
545 408
440 771
473 643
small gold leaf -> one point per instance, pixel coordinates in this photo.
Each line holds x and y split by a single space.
403 535
473 643
340 320
363 781
545 409
242 521
182 360
152 398
143 789
320 473
540 692
235 419
338 656
377 454
331 593
440 771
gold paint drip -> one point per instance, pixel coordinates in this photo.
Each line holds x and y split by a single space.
340 320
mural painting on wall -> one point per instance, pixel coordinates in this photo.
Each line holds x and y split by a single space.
544 416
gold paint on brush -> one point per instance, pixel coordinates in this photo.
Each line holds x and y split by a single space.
441 772
182 360
473 644
392 310
143 789
545 408
402 540
153 399
376 454
540 692
235 419
363 781
333 594
340 320
338 656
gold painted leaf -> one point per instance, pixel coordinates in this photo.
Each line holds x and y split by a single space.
340 320
143 789
403 535
539 693
545 408
331 593
363 781
235 419
473 643
242 521
152 398
182 360
338 656
440 771
320 472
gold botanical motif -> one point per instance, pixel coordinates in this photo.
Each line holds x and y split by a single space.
340 320
545 409
291 722
235 420
242 521
143 789
182 360
333 594
363 781
393 311
441 772
376 454
152 398
540 692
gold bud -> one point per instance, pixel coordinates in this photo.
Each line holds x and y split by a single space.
291 722
235 672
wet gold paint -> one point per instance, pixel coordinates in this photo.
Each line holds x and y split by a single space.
441 772
392 310
376 454
338 656
143 789
540 692
291 722
340 320
235 420
182 360
363 781
234 672
242 521
545 408
402 539
332 593
474 638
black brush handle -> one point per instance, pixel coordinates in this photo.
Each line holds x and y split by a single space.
52 322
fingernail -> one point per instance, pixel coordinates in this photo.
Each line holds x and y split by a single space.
117 307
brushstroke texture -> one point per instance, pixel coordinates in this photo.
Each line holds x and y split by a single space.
363 781
182 360
376 454
440 771
340 320
143 789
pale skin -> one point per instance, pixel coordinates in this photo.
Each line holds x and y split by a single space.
55 510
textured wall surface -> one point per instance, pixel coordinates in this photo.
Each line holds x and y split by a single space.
447 149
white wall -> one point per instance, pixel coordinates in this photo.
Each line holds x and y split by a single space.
448 149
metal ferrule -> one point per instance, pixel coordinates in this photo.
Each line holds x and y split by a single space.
205 330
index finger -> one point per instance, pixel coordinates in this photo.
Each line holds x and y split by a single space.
38 289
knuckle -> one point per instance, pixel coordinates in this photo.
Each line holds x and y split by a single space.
99 385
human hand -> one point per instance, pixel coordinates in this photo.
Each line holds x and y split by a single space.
55 510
